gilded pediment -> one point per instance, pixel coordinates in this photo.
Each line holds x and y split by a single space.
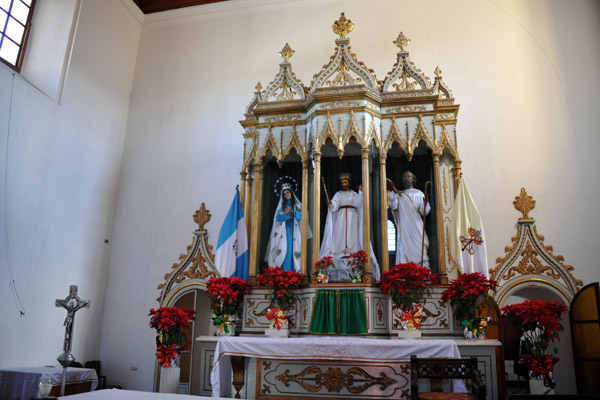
343 68
405 76
286 86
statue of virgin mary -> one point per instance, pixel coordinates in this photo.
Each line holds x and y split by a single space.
285 240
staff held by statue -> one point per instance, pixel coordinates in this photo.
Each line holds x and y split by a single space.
326 194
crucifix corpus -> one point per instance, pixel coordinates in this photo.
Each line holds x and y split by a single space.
71 303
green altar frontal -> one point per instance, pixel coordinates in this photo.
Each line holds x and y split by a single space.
339 312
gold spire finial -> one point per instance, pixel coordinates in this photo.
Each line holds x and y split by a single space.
438 72
342 26
258 87
402 41
286 52
524 203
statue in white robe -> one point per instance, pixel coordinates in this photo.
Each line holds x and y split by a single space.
343 233
408 208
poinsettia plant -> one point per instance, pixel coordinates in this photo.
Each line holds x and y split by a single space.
170 323
537 324
227 294
323 265
467 294
282 283
407 283
358 261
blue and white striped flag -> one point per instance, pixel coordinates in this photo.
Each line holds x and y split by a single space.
231 257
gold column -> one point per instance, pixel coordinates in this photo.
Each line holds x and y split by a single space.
243 175
385 262
256 215
248 204
316 207
366 213
439 219
304 224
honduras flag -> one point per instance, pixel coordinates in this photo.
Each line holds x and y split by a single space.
231 257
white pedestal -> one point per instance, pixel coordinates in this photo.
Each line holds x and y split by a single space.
414 334
169 380
274 332
536 386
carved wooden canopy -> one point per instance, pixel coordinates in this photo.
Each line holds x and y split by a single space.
530 262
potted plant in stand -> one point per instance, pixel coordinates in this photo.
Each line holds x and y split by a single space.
321 270
467 294
406 284
281 284
537 324
358 261
170 323
227 294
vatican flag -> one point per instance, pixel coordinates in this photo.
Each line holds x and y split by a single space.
231 257
467 240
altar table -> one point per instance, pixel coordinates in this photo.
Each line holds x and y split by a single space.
118 394
382 353
22 383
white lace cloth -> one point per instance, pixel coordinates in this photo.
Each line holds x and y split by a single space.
322 348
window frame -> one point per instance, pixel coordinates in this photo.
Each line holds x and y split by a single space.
27 29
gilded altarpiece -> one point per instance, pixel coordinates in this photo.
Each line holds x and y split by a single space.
345 112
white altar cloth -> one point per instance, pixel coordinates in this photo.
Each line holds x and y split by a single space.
321 348
22 383
117 394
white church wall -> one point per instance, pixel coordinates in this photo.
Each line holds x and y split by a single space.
62 168
524 73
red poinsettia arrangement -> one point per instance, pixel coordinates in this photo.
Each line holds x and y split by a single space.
282 284
358 261
170 323
406 284
323 265
539 367
226 295
537 320
467 294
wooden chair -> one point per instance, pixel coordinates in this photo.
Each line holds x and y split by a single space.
438 369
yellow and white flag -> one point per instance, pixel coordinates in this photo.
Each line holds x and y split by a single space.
467 240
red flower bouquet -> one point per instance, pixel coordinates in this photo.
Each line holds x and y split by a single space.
536 322
170 323
539 367
467 294
320 269
406 284
282 283
358 261
227 295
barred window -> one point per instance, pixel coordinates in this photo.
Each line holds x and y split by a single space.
391 236
15 23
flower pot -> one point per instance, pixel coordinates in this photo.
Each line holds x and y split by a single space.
169 380
536 386
277 333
